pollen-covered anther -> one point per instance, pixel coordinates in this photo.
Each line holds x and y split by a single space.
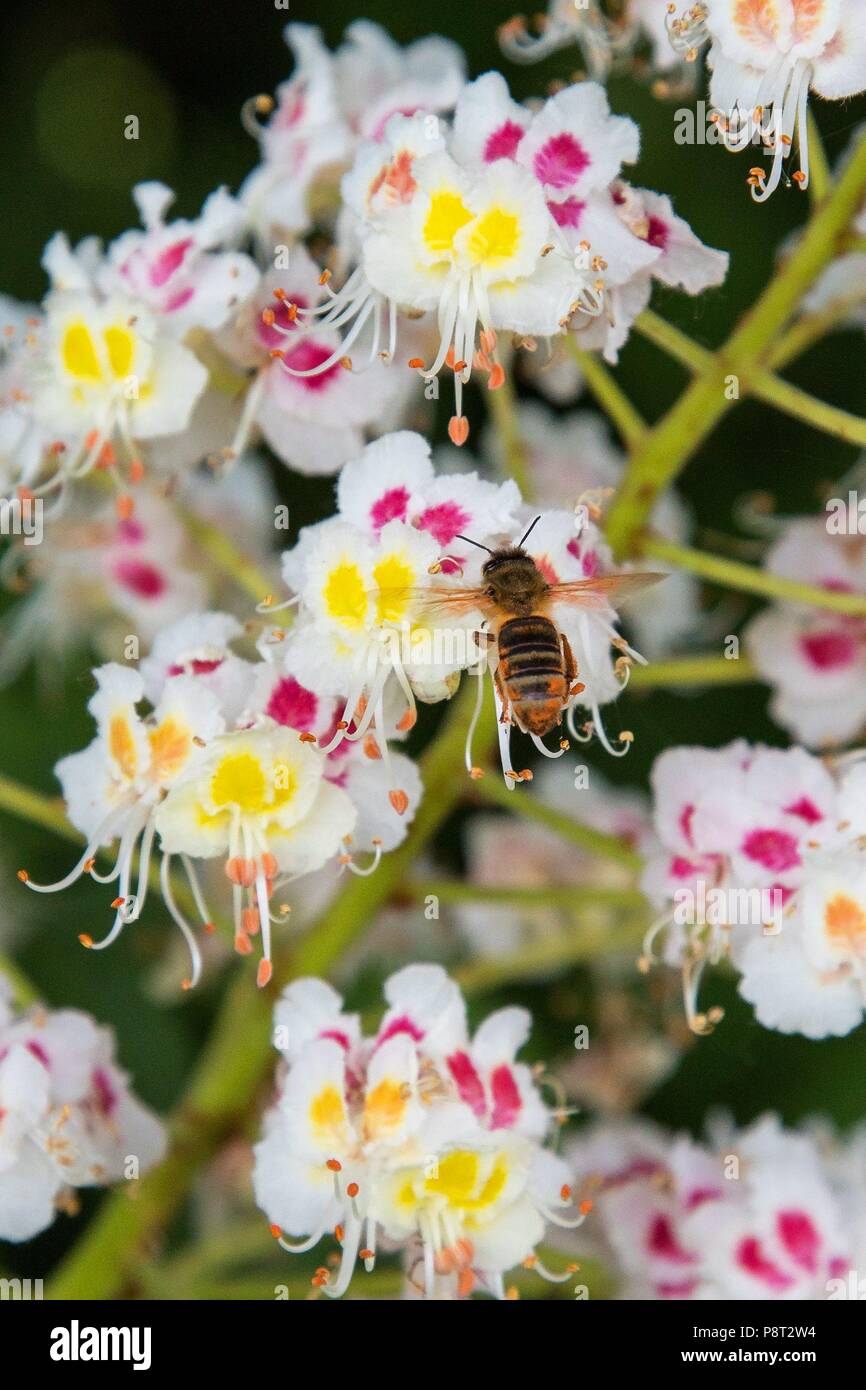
399 800
564 744
417 363
476 773
250 921
586 1206
458 430
496 378
352 1189
307 738
186 984
565 1192
334 1165
85 939
371 748
525 775
241 871
276 1231
117 902
799 177
264 973
243 945
346 363
277 353
125 506
324 277
407 721
23 876
268 317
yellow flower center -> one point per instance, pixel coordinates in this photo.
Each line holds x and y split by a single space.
394 578
845 922
345 596
448 213
121 743
81 359
495 237
328 1116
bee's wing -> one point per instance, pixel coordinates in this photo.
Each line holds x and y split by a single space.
454 603
606 591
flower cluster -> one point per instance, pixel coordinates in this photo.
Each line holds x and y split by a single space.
420 1135
331 103
508 220
814 660
764 60
223 764
762 862
759 1213
105 369
67 1116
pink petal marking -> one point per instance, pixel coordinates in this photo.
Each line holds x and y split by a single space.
199 666
775 849
560 160
567 213
142 579
106 1095
305 357
658 233
751 1258
502 143
163 266
506 1098
800 1238
806 809
827 651
391 506
468 1082
403 1024
444 521
663 1243
292 704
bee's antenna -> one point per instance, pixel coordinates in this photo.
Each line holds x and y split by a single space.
471 542
528 533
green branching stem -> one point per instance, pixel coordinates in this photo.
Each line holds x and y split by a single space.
733 574
665 449
492 790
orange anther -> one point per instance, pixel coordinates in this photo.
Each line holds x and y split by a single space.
407 721
276 1232
307 738
264 973
125 506
399 800
458 430
334 1164
565 1192
117 902
496 377
417 363
243 945
586 1207
23 876
85 940
352 1189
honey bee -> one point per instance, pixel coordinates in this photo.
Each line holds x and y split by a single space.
536 674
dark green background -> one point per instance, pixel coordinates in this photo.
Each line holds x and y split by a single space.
70 73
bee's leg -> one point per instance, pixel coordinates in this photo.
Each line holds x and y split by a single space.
505 717
571 668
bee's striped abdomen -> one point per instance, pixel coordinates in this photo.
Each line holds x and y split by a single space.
532 670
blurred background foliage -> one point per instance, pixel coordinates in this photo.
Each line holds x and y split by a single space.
69 74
